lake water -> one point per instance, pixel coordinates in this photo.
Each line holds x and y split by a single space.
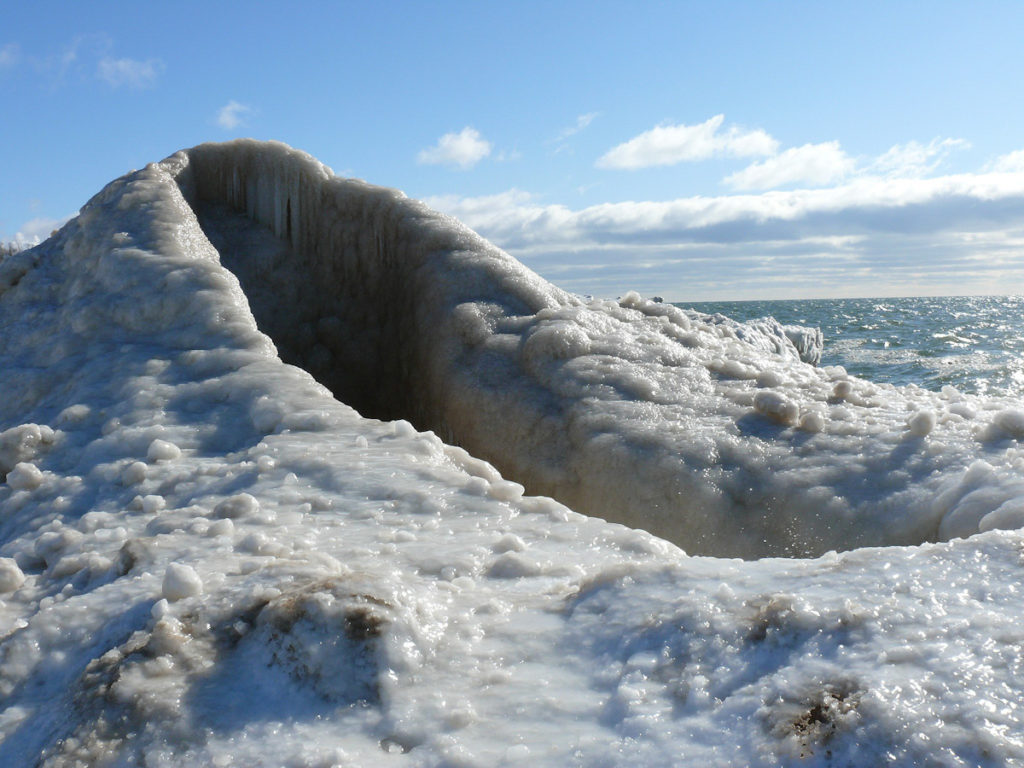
974 343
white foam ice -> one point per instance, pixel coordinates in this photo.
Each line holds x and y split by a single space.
207 559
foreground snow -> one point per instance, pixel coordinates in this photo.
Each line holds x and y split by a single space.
206 559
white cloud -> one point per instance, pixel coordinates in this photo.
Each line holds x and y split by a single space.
130 73
861 205
914 158
85 57
581 123
814 164
463 150
670 144
232 114
1010 163
70 54
81 56
486 211
951 234
9 55
36 230
509 156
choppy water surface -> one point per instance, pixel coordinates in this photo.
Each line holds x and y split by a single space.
974 343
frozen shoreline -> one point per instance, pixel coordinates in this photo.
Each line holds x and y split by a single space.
346 591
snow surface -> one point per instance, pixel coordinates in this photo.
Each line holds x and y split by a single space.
207 559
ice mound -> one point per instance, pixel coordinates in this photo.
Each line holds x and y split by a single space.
206 559
699 429
768 335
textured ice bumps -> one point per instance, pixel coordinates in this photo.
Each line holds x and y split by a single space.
21 444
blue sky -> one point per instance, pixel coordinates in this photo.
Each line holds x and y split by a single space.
724 150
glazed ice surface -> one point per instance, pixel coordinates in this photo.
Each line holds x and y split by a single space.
209 560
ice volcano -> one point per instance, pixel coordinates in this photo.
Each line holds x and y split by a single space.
403 313
206 558
708 433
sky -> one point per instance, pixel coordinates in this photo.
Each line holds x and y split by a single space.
692 150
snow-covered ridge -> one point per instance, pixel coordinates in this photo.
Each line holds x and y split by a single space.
206 559
769 335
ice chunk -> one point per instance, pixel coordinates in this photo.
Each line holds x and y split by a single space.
181 581
134 473
25 477
812 421
239 505
22 443
152 504
921 423
1009 514
1011 422
11 576
842 390
776 407
162 450
73 414
514 565
809 342
223 527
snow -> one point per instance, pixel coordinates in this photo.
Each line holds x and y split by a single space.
206 558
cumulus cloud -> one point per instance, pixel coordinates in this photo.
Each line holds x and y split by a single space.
811 164
130 73
671 144
814 164
232 115
461 150
1009 163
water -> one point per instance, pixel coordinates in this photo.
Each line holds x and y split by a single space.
974 343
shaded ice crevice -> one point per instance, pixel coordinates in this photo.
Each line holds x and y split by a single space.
711 435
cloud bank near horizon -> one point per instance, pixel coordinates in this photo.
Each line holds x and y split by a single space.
961 233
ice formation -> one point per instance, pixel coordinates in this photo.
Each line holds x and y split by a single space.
207 559
693 427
